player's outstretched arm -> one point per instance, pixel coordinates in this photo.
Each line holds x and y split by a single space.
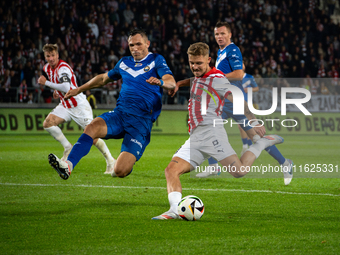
98 81
181 83
167 81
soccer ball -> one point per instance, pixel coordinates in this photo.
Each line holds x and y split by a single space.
190 208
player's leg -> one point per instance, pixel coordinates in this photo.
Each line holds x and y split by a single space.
137 131
183 161
83 116
102 147
58 116
240 167
124 164
173 171
97 128
287 164
246 142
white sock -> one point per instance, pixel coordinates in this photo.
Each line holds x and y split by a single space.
56 132
102 147
258 147
245 146
174 198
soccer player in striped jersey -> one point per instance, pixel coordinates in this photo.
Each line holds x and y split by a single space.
209 89
62 79
139 104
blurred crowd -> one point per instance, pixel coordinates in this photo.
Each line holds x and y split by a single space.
285 38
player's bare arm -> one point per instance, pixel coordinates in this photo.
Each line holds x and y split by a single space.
235 75
181 83
98 81
167 81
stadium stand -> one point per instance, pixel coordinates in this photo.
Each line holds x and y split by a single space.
299 39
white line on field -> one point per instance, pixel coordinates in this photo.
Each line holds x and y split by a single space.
164 188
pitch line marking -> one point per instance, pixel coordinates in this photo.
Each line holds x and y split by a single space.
164 188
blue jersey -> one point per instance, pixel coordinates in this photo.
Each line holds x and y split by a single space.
228 60
138 97
248 81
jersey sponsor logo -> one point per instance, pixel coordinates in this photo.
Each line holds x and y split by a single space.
136 142
138 64
146 69
135 73
212 97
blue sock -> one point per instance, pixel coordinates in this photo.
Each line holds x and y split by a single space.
80 149
244 141
249 142
212 161
275 153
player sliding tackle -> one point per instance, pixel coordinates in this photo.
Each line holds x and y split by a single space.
206 139
139 104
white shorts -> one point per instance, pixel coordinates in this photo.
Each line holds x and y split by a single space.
206 142
81 114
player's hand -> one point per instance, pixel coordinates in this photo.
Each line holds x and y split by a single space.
260 130
154 81
42 80
55 94
71 93
246 90
172 92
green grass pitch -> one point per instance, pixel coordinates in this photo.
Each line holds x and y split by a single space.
92 213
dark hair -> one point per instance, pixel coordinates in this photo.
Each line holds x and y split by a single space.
223 24
138 31
198 49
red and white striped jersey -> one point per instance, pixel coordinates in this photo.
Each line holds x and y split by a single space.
207 96
54 76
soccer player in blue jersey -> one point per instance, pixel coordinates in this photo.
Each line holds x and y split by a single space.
139 104
229 61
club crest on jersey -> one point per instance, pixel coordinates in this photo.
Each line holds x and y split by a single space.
146 69
138 64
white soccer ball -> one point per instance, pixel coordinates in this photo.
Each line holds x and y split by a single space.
190 208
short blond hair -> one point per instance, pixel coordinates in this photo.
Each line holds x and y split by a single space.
50 47
198 49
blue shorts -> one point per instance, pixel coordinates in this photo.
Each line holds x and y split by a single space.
228 113
134 130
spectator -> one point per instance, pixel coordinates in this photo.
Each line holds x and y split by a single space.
91 99
23 94
94 27
128 14
324 90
